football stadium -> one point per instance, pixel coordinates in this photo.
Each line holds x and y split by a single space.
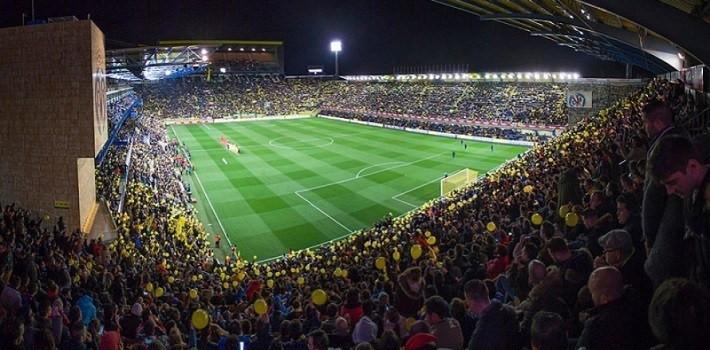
400 175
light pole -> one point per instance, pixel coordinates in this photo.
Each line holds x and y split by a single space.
336 46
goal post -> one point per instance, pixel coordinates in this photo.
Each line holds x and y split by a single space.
457 180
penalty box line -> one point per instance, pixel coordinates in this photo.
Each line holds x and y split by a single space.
356 177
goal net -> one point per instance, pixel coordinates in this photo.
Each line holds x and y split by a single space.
457 180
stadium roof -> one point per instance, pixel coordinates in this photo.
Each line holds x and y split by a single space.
650 34
172 57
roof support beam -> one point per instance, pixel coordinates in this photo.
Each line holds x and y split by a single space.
687 31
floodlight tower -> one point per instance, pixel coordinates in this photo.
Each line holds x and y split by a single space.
335 47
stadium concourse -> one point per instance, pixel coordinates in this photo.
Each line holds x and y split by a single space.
547 251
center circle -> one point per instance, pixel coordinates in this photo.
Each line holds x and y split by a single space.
305 143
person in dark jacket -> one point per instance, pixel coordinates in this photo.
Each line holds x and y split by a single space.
679 315
497 326
678 164
574 266
410 292
615 322
620 253
658 209
548 332
627 215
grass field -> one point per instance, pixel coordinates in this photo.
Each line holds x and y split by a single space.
299 183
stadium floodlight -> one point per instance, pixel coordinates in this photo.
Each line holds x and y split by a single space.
546 76
229 49
241 49
335 47
253 49
519 75
536 75
203 51
575 76
204 58
263 49
223 70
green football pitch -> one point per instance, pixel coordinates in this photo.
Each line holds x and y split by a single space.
301 182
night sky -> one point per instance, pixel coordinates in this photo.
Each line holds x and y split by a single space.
377 35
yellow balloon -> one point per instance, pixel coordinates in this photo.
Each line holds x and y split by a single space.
194 278
491 226
269 274
536 219
396 256
159 292
380 263
528 189
564 210
571 219
260 306
301 280
171 279
431 240
319 297
193 294
338 272
270 283
149 287
416 251
200 319
225 285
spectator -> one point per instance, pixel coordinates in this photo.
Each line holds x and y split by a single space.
318 340
410 292
614 323
679 315
548 332
446 329
677 164
496 327
620 253
365 329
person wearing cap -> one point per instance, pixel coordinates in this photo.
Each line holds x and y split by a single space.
497 325
620 252
446 329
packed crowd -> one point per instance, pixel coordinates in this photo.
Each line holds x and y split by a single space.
531 103
551 251
116 109
442 126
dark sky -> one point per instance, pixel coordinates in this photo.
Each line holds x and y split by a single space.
377 34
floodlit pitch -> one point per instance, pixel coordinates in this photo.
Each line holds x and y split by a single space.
299 183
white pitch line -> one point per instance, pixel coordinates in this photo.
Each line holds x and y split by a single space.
405 202
323 212
373 173
373 166
209 202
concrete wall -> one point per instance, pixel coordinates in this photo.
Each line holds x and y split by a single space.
52 117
